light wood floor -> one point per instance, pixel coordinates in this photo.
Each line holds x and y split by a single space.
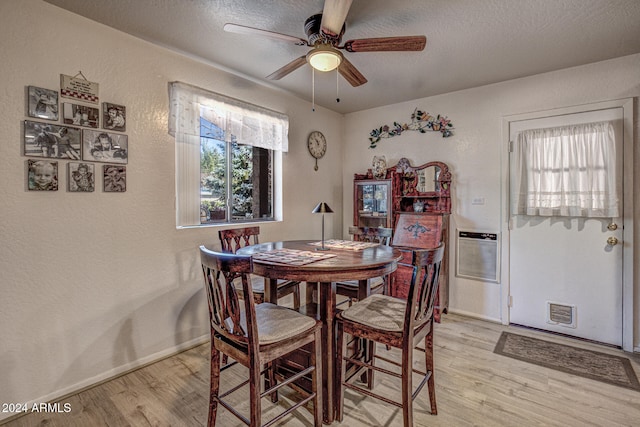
474 387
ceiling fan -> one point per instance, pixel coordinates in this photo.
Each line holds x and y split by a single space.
324 32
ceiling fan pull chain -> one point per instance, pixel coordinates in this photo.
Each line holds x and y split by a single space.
313 89
337 86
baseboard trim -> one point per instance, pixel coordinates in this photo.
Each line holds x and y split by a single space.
474 315
111 375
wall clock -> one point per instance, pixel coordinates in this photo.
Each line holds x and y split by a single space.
317 145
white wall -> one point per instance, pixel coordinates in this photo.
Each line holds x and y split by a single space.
94 284
474 153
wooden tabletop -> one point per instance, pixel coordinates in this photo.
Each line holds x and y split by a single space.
347 264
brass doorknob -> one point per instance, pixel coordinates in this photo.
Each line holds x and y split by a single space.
612 241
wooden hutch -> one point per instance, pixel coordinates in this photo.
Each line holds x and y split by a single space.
416 202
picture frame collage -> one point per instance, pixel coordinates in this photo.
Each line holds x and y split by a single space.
77 133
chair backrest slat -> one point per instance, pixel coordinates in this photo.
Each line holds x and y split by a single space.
424 286
225 309
235 238
372 234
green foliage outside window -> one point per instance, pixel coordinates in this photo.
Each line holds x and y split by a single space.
213 175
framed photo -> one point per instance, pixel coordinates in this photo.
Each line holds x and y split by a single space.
82 177
80 115
104 147
114 178
42 175
42 103
49 140
114 117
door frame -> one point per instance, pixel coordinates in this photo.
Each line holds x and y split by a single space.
628 280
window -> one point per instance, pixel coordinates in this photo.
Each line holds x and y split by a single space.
228 158
248 194
565 171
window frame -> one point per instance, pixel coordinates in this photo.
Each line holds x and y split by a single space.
250 124
229 152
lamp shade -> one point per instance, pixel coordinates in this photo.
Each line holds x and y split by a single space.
322 208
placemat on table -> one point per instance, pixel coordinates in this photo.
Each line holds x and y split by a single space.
346 244
292 256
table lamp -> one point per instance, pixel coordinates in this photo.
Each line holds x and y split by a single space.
322 208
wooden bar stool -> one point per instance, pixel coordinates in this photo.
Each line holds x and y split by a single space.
396 323
255 335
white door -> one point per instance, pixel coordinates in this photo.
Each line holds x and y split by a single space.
564 276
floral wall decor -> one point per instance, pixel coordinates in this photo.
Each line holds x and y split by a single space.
421 121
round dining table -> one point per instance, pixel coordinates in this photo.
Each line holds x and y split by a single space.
302 260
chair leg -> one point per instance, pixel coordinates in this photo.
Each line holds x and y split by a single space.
254 393
371 354
296 297
431 383
215 384
271 381
407 385
362 349
340 371
316 378
386 290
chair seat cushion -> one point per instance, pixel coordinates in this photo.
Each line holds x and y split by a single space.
378 311
276 323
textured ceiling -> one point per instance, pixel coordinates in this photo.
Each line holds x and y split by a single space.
469 42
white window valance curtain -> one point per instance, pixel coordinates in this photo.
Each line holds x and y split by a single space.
565 171
249 124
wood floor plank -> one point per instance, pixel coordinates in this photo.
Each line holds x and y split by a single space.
474 387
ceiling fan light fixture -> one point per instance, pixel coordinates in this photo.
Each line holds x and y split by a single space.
324 58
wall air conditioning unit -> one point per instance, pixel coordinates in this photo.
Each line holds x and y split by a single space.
478 255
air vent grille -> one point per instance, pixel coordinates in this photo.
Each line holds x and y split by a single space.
561 314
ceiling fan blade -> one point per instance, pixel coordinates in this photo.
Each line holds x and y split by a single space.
351 73
386 44
291 66
333 16
242 29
